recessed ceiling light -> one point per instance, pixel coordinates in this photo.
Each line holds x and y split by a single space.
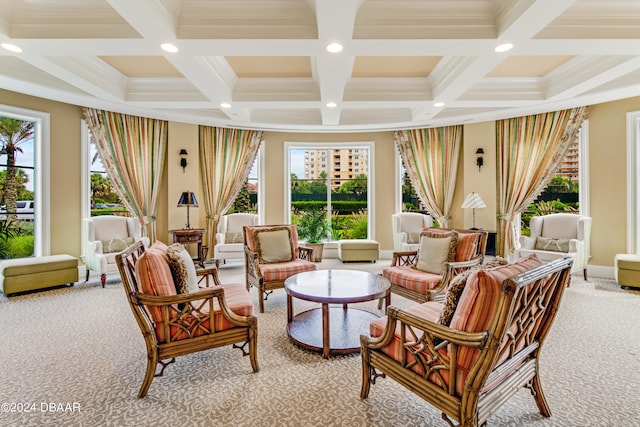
11 47
331 105
503 47
169 47
225 105
334 47
438 104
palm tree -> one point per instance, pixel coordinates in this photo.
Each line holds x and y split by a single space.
13 132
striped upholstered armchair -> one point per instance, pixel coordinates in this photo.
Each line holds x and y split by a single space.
272 254
423 274
469 363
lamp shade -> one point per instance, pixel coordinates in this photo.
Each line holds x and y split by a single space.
473 200
187 199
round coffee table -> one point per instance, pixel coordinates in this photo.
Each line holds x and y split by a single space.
333 329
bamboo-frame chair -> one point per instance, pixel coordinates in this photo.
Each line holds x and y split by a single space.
254 273
452 269
185 313
508 357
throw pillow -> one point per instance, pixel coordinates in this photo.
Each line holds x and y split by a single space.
182 268
116 245
467 246
413 238
274 244
231 237
456 286
551 244
435 250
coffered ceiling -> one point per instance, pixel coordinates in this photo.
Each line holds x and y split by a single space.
267 59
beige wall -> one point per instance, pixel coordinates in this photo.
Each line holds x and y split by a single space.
65 165
607 153
608 178
483 180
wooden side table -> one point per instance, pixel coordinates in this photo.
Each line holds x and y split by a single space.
191 235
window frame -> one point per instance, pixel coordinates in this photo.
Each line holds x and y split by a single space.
633 182
41 161
351 145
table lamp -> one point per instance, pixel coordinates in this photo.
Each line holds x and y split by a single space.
188 199
473 201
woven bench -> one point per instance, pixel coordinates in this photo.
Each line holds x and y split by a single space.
28 274
358 250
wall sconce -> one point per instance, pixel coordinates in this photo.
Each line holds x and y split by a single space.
479 158
183 159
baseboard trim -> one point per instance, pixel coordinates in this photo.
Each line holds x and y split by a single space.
600 271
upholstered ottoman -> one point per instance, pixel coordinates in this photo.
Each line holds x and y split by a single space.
627 270
358 250
27 274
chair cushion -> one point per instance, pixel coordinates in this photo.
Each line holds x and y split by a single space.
238 300
231 237
154 276
435 250
411 278
413 238
467 246
428 310
551 244
280 271
274 244
182 268
116 245
250 235
475 311
456 286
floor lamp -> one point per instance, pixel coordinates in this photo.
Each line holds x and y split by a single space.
473 201
188 199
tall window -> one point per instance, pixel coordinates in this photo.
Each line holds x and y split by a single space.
248 200
567 191
102 198
329 190
24 216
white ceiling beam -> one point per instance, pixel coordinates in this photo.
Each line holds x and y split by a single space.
457 75
148 18
85 73
589 74
335 20
525 18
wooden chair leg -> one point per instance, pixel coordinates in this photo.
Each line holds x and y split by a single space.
366 383
538 395
261 295
584 273
253 351
103 279
87 278
152 363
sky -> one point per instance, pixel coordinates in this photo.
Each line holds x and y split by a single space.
297 163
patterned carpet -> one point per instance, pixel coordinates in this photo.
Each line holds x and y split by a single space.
74 356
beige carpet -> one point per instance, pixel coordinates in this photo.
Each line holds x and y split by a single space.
80 347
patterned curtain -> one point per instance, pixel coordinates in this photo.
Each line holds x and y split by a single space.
430 157
132 151
529 151
226 158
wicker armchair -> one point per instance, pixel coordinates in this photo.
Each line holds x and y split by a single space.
272 254
410 281
489 351
177 324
